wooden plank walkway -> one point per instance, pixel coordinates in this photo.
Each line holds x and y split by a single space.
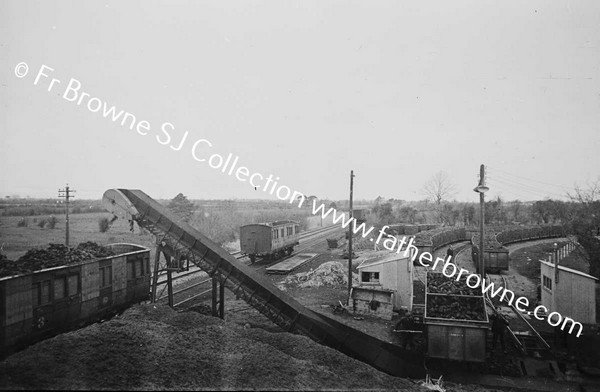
287 266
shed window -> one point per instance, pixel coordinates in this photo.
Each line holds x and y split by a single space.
370 277
60 287
106 276
547 282
41 293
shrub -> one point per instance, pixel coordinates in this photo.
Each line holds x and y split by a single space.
42 223
103 225
52 222
24 222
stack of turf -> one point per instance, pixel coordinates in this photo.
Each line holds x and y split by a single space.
447 298
55 255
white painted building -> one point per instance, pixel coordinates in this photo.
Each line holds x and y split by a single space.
573 296
385 284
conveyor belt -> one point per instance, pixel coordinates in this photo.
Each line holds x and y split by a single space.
256 290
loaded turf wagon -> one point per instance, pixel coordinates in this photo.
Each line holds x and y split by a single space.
42 303
456 320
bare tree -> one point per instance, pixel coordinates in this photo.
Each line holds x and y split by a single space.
439 188
587 195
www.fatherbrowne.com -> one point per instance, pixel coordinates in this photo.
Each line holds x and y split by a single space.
74 93
449 269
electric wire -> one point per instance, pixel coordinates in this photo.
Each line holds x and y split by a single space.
530 179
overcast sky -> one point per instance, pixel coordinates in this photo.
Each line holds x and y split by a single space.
305 91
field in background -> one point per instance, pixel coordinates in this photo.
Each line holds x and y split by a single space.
16 241
219 220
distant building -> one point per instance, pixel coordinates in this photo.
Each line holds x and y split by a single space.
385 285
574 296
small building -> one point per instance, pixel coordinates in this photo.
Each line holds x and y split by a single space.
385 285
573 296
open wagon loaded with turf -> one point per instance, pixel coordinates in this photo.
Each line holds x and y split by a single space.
455 318
52 290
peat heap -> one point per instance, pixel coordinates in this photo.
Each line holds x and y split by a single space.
153 347
54 256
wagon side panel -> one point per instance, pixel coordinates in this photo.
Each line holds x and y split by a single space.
17 309
90 283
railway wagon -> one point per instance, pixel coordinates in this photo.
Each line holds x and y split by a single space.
360 215
456 322
270 240
431 240
44 303
495 260
511 235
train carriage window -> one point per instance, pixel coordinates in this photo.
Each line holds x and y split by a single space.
130 270
41 293
106 276
73 284
282 234
139 268
60 288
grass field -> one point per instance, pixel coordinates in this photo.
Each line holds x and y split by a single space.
16 241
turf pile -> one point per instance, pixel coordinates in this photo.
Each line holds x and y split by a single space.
53 256
154 347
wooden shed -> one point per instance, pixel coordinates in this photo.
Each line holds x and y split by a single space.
573 296
388 273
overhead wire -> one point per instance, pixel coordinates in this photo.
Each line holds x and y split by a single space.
494 169
496 175
526 188
504 185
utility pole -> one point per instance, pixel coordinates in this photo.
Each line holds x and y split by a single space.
481 189
66 193
350 238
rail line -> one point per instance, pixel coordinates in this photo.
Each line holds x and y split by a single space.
305 244
525 336
257 290
313 236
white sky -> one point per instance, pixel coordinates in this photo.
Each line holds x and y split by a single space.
305 91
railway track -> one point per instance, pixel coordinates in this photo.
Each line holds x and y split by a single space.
184 279
526 338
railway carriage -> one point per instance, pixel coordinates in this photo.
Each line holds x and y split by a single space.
270 240
43 303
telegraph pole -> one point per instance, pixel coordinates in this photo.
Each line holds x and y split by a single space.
481 189
350 238
67 194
